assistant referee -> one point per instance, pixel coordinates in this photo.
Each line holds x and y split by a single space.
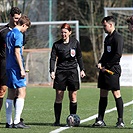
113 46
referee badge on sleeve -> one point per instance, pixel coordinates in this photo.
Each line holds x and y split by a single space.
72 52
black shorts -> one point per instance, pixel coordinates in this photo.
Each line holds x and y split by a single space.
110 82
3 77
66 79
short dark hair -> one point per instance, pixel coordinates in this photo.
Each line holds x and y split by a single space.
24 20
15 10
130 20
109 19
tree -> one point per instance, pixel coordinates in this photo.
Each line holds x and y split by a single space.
88 12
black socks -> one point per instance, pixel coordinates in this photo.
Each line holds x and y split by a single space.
73 108
102 107
57 111
1 103
119 106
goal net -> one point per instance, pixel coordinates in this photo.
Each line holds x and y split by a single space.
37 62
40 38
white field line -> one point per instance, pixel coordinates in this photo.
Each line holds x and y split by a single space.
89 118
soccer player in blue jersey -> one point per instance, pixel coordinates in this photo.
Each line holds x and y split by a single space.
15 72
15 14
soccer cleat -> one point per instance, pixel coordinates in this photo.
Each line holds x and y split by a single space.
99 123
8 126
120 123
20 125
56 124
21 119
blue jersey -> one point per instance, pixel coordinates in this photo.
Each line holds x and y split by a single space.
14 39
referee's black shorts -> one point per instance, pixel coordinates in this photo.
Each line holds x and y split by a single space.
66 79
3 77
110 82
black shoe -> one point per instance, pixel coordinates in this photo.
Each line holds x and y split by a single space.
99 123
120 123
20 125
21 119
8 126
56 124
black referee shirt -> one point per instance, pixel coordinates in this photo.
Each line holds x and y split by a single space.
68 55
3 31
113 46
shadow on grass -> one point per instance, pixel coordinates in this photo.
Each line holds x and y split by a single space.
81 125
36 124
108 127
45 124
64 125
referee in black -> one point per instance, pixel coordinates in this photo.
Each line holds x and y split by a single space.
66 53
110 59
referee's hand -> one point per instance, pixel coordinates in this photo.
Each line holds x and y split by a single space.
99 66
82 74
52 75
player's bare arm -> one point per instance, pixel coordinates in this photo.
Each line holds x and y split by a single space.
19 60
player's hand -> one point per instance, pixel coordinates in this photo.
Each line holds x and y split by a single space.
82 74
52 75
23 73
